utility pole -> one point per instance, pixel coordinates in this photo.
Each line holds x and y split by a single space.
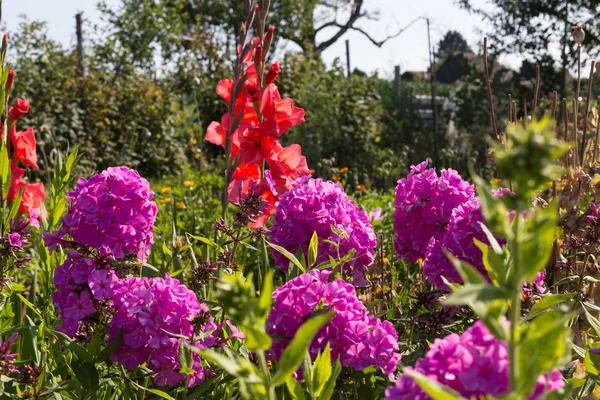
348 59
80 57
79 31
433 100
397 83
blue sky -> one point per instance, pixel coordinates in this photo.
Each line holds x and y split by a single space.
409 50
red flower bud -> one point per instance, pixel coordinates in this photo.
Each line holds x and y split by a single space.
17 111
258 55
269 35
10 80
273 73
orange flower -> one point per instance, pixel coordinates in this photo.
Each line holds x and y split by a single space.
188 184
362 187
312 171
343 170
181 205
336 178
496 180
166 200
165 190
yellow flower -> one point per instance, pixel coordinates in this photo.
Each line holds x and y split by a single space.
362 187
420 262
336 178
385 261
343 170
181 205
188 184
165 190
549 184
166 200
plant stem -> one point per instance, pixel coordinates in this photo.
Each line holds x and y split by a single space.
515 310
267 375
586 116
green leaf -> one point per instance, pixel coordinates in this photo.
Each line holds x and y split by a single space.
57 211
313 250
536 241
592 361
471 293
184 355
321 370
593 321
265 299
111 347
289 256
71 161
231 366
434 389
294 352
157 392
548 302
4 165
87 375
467 272
493 262
31 306
493 209
330 384
205 241
29 347
543 345
95 345
256 337
294 389
76 348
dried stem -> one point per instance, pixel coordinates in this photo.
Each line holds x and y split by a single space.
587 111
525 116
489 90
510 117
596 140
565 117
578 73
514 112
536 90
575 149
553 109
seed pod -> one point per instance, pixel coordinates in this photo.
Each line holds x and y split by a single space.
578 34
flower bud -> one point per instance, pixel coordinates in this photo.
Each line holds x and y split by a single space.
273 73
578 34
10 80
258 54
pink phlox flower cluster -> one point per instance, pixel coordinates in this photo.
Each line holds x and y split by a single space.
83 286
149 312
358 338
475 364
112 211
315 207
424 204
463 228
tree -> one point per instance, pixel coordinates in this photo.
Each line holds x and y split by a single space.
452 43
178 24
534 28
